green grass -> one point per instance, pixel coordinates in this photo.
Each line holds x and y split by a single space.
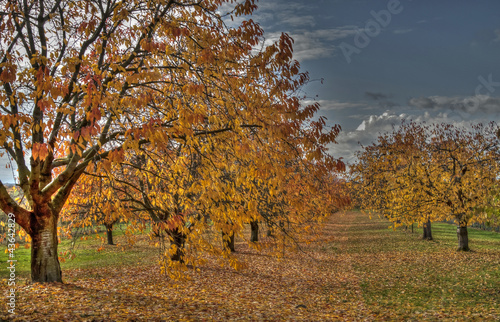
478 239
358 270
87 253
411 276
369 236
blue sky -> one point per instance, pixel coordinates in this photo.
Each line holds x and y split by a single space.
433 61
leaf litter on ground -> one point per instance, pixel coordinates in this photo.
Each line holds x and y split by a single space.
356 270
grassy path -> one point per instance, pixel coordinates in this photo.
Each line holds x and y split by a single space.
404 277
358 270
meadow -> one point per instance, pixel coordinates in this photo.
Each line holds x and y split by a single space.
358 269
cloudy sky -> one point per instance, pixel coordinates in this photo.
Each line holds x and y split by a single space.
384 60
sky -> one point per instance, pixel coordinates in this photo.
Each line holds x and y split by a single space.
381 61
373 63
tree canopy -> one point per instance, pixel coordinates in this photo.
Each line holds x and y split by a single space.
89 85
420 173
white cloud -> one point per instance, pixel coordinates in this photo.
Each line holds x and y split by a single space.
362 126
293 17
333 33
284 7
330 105
348 143
276 14
299 21
309 45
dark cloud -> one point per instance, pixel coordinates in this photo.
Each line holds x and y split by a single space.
388 104
470 105
422 102
383 99
376 96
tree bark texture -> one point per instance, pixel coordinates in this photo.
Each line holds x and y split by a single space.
109 233
463 238
427 230
228 241
45 265
254 236
178 239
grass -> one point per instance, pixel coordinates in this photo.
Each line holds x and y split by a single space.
413 277
89 252
358 270
478 239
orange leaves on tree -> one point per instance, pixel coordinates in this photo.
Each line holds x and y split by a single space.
420 173
8 73
175 221
116 156
172 112
39 151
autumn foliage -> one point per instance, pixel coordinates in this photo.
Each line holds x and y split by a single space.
422 173
357 270
187 119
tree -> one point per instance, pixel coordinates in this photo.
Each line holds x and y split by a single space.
254 231
491 212
158 184
468 171
84 82
426 173
93 202
387 172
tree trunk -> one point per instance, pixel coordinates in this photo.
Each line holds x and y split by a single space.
254 237
228 241
45 265
178 239
427 230
109 233
463 238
